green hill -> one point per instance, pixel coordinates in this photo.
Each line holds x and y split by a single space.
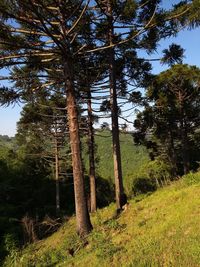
133 157
161 229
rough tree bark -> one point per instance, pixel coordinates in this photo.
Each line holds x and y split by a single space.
119 191
185 148
184 138
172 153
57 177
84 225
93 204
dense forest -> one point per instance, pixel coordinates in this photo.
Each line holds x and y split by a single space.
76 68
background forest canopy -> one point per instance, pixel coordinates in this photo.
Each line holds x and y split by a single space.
76 63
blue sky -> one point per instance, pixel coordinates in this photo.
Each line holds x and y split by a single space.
189 40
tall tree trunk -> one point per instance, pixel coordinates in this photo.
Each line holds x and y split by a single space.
57 176
172 154
184 143
185 151
84 225
119 191
93 204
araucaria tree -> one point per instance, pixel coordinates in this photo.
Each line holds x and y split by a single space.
122 28
169 124
39 33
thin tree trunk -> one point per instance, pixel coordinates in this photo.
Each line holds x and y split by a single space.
93 204
184 144
185 152
84 225
57 177
119 191
157 183
172 154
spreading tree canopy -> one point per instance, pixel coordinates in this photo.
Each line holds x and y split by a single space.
169 124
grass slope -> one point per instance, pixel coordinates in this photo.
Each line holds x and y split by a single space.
161 229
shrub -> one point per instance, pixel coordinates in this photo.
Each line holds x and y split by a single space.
143 185
11 246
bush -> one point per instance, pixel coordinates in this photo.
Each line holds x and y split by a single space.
11 246
149 177
143 185
105 192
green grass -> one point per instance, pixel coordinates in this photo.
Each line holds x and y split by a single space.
161 229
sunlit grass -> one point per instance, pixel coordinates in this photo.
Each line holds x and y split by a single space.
161 229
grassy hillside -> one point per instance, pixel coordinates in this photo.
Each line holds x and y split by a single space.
161 229
133 157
